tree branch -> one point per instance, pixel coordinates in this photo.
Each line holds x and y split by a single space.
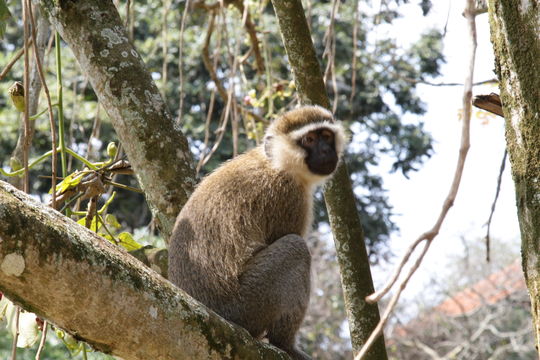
65 273
346 227
428 237
514 34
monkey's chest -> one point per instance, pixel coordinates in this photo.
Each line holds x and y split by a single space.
290 215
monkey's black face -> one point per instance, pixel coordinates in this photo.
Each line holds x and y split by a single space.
320 146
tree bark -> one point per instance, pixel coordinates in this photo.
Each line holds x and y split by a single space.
515 26
67 274
157 149
346 227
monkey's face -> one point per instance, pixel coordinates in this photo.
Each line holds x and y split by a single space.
320 146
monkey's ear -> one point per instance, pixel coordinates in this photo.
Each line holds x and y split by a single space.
267 143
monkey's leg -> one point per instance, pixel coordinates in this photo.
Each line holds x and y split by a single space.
274 292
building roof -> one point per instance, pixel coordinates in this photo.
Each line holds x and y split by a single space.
495 287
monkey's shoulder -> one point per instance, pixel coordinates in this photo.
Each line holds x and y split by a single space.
250 172
247 184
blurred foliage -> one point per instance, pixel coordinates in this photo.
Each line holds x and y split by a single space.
372 108
54 350
324 331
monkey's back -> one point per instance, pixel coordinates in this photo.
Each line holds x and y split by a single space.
236 211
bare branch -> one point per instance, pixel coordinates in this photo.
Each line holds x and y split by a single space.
425 82
27 138
252 33
330 53
499 180
42 340
12 62
449 201
206 57
37 57
354 57
181 96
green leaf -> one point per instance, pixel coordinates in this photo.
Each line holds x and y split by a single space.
127 241
108 237
92 225
70 181
111 220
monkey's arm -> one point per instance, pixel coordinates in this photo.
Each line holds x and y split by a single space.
77 280
274 289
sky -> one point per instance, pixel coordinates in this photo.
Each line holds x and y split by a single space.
417 201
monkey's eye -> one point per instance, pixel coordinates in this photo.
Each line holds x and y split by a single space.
309 139
327 136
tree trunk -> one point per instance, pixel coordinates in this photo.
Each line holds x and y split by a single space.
515 26
65 273
157 149
346 227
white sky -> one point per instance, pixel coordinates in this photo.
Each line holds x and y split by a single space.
419 199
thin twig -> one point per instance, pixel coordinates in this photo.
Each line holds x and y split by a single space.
165 48
488 224
96 127
330 53
26 84
60 100
129 26
12 62
181 59
354 58
78 86
220 89
252 33
232 84
85 357
206 130
49 105
42 341
449 201
206 57
16 336
268 59
375 297
122 186
425 82
220 132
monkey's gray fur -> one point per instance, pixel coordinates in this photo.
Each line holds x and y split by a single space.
238 244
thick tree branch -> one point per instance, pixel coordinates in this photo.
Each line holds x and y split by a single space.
339 197
426 239
514 34
156 148
65 273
